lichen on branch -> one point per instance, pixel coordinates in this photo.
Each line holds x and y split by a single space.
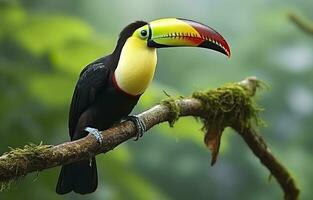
20 157
232 103
174 110
222 107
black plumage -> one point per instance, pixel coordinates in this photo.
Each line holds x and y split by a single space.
97 102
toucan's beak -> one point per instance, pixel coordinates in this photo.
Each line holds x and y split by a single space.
172 32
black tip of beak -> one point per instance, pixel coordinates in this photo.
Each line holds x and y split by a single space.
209 45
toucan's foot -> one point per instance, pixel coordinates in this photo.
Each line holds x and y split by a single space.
140 125
95 132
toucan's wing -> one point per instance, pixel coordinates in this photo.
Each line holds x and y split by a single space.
91 81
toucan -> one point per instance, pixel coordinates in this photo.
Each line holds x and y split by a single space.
108 89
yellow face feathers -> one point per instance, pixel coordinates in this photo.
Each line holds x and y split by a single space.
136 65
142 33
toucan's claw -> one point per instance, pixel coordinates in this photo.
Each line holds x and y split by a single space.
96 133
140 125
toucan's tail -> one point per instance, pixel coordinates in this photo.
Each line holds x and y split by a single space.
80 177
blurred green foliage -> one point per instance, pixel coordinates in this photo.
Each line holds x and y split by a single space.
44 45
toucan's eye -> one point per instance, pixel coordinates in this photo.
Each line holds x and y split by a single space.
143 34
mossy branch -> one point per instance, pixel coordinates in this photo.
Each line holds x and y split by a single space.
228 106
302 23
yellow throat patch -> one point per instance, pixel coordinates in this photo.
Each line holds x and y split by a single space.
136 66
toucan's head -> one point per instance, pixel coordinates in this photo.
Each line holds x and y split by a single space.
175 32
135 54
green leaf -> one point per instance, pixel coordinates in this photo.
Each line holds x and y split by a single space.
75 55
185 128
46 32
12 16
51 89
126 183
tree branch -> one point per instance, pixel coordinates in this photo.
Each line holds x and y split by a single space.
263 152
303 24
233 102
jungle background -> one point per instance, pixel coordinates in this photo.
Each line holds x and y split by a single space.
45 44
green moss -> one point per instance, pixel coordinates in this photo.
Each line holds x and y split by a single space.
30 149
230 105
173 109
5 185
18 159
